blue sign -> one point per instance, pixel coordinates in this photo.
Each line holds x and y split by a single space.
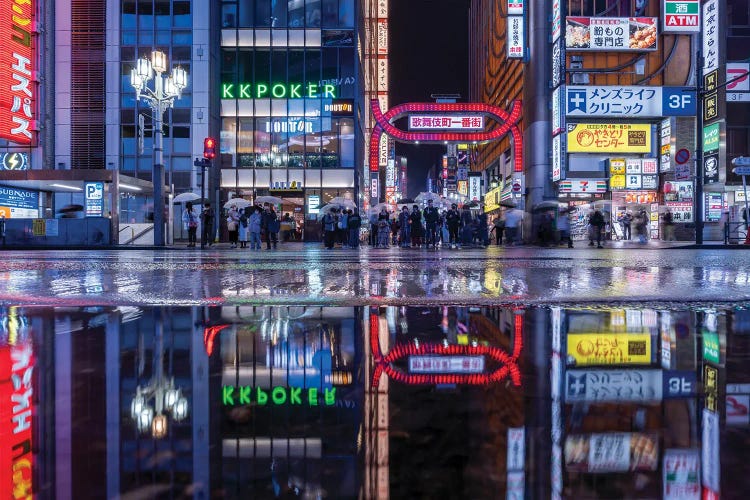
94 199
679 384
19 198
629 101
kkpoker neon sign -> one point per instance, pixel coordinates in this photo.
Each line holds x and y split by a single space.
277 91
295 396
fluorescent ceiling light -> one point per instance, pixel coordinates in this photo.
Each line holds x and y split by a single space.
65 186
128 186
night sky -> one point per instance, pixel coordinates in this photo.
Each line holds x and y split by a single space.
428 55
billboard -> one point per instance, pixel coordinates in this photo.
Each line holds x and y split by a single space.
446 122
19 203
609 349
612 452
629 100
17 72
611 33
609 138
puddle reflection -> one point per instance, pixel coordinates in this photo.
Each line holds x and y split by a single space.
373 402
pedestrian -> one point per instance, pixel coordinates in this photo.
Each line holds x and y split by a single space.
243 229
270 224
498 226
233 222
190 221
597 224
342 228
354 223
563 225
329 228
405 227
417 231
546 228
467 226
513 219
287 226
482 228
254 226
444 233
668 225
431 220
373 220
625 219
641 226
207 223
384 228
453 221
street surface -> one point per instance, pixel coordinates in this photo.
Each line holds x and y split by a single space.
309 275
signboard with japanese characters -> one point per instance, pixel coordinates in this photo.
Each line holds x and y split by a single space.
613 385
382 74
609 348
650 181
609 138
475 187
557 121
558 158
737 77
94 192
18 76
558 63
631 101
583 186
633 181
446 122
611 33
612 452
649 166
711 168
711 136
681 16
617 166
557 6
665 151
446 364
711 41
632 165
515 43
383 36
711 464
681 474
515 7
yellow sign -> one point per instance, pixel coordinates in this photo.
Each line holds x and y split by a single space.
617 182
462 187
38 227
616 166
492 199
610 348
609 138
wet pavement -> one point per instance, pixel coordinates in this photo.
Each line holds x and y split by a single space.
308 275
305 373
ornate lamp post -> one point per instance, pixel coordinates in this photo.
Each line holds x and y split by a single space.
165 91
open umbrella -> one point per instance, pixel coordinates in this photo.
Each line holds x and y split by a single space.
343 202
273 200
547 205
508 204
327 208
424 196
377 208
237 202
183 197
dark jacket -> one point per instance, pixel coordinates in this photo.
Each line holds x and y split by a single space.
452 218
270 222
355 221
431 215
329 222
416 223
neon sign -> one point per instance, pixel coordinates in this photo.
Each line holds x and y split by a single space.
296 396
17 72
277 91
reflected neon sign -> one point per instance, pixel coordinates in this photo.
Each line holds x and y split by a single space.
277 91
296 396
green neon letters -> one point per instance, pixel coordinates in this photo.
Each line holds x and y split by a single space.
277 91
243 395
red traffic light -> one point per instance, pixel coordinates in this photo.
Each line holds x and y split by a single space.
209 148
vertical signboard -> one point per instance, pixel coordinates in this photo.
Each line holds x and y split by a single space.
17 72
558 95
515 7
475 187
515 37
710 36
558 157
94 199
556 19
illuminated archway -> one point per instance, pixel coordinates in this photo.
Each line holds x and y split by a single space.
384 125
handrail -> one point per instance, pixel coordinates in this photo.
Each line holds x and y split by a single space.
730 227
134 236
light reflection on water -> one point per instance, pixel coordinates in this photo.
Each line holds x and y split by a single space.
374 402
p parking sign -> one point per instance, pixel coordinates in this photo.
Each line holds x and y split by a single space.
94 192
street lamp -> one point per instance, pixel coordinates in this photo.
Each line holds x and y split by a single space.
166 90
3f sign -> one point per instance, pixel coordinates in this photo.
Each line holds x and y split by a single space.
678 102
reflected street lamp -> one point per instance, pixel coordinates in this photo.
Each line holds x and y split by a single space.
166 89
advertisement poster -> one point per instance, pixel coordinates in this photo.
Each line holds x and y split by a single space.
609 348
681 475
19 203
613 385
612 452
611 33
609 138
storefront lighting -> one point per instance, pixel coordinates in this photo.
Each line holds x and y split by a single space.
65 186
159 426
129 187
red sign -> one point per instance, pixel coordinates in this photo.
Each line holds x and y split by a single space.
17 66
16 411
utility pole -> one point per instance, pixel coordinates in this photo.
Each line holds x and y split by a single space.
698 204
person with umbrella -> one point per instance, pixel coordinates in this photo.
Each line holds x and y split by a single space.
270 224
190 221
417 231
233 222
403 221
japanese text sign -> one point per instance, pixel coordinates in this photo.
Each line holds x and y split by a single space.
631 101
710 36
610 33
447 122
681 16
515 43
609 348
609 138
17 71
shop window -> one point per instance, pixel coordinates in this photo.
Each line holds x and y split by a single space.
312 66
278 66
296 66
312 13
262 66
229 15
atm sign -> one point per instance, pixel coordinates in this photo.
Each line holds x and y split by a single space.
682 16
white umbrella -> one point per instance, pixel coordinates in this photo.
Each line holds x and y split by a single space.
424 196
237 202
327 208
183 197
273 200
344 202
377 208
